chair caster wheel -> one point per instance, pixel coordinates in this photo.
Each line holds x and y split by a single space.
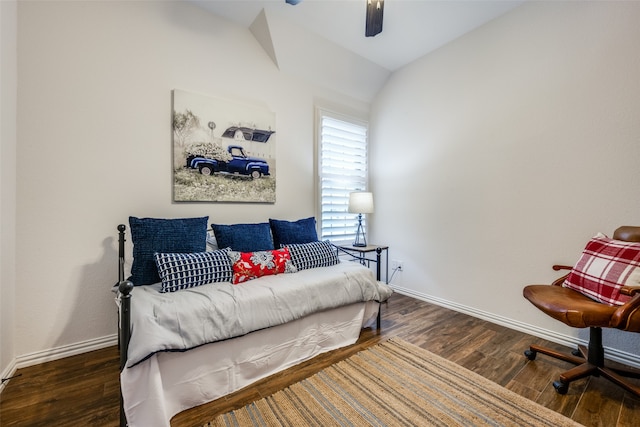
531 355
561 387
576 353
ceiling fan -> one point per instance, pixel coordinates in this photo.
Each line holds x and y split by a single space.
375 10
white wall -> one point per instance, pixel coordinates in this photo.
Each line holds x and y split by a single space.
8 21
94 145
492 158
502 153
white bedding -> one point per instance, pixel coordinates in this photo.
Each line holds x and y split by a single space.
184 320
167 383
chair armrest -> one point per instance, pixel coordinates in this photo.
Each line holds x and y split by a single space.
630 290
624 318
560 281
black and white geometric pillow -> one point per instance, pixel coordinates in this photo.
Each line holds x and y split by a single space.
182 271
312 255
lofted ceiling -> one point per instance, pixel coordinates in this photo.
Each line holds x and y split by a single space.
411 28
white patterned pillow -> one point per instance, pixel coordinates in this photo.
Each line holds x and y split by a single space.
312 255
182 271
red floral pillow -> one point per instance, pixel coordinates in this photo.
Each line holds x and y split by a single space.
604 267
251 265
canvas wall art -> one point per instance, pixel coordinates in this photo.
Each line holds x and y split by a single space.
223 150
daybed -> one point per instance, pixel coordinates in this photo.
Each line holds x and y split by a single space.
198 323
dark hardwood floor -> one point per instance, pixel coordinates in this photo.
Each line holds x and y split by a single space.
83 390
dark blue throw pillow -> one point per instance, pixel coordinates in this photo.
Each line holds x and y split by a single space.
244 237
293 232
151 235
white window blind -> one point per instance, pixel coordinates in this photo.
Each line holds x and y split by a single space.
342 169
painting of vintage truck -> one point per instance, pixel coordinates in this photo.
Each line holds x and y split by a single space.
239 164
223 151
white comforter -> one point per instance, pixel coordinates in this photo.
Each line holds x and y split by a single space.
186 319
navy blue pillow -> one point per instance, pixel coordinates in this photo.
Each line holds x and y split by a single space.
244 237
151 235
293 232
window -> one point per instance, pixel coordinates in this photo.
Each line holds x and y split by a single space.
342 167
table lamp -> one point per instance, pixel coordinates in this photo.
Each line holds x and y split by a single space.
360 202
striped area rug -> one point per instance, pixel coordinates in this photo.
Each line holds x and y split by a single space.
394 384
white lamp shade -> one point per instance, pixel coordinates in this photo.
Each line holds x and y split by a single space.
361 202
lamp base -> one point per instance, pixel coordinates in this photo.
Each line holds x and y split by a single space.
361 238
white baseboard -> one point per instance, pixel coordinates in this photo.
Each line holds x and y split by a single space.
7 373
65 351
569 341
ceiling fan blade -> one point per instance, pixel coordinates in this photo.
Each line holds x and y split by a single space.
375 10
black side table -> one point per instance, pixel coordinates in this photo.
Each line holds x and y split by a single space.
360 253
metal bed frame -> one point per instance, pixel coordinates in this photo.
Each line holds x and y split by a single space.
126 286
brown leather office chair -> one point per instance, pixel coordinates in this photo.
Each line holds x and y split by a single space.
579 311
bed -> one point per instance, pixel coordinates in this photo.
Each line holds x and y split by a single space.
198 322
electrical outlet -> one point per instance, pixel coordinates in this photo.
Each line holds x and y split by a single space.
397 265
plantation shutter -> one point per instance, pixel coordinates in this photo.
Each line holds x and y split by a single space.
343 169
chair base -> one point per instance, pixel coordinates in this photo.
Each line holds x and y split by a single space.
589 361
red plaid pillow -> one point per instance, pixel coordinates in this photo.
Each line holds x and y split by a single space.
251 265
604 267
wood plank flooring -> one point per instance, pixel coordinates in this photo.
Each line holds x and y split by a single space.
83 390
